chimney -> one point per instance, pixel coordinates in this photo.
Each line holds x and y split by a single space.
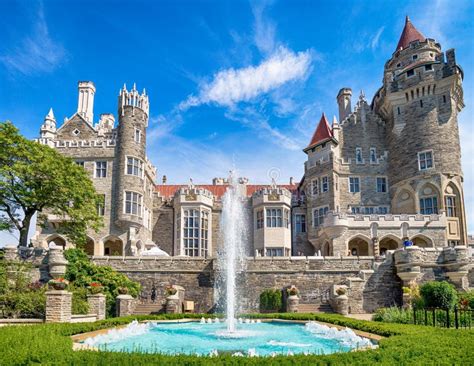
291 181
85 104
164 179
344 103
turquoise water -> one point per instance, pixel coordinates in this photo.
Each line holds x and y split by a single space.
258 339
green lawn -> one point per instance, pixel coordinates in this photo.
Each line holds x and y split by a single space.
404 345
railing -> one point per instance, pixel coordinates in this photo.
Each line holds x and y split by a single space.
445 318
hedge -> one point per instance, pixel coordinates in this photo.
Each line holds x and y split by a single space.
405 345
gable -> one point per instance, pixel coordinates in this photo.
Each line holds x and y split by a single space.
76 128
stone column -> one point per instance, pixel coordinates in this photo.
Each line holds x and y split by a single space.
125 305
11 255
58 306
173 304
292 304
57 263
341 304
97 305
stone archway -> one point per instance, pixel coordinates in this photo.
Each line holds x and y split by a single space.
422 241
358 246
89 247
389 242
326 249
57 240
113 246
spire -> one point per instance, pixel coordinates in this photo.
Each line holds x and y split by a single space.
50 115
334 122
322 134
409 34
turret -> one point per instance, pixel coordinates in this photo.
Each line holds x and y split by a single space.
85 104
344 102
48 128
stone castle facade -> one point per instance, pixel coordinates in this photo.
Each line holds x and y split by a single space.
382 173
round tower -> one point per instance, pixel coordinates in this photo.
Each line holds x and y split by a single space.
48 128
130 154
420 99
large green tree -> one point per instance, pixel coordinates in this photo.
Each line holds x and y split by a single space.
35 178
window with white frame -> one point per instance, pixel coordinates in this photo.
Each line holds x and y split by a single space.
134 166
381 184
425 160
259 219
373 155
274 217
133 203
354 184
359 159
324 184
318 215
138 135
451 206
100 169
315 187
428 205
300 223
196 232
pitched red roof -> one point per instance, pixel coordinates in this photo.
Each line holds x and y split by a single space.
168 190
409 34
323 132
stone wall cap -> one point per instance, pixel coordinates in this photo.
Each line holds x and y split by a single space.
58 292
96 295
125 297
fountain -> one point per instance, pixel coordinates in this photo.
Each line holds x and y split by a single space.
234 235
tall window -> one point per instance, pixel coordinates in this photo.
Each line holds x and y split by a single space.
381 184
359 155
133 203
429 205
191 233
300 223
324 184
354 184
318 215
196 232
274 217
451 206
100 169
425 160
373 155
315 187
101 205
138 135
134 167
259 219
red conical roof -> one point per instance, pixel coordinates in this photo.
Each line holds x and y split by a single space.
323 132
409 34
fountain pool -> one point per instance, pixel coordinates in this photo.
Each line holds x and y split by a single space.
252 339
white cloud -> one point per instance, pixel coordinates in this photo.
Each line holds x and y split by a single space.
37 52
264 29
375 40
231 86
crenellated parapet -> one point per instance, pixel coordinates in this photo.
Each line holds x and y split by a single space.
133 99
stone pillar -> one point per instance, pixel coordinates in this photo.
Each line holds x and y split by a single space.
11 253
97 305
173 304
456 263
341 304
408 262
125 305
58 306
292 304
57 263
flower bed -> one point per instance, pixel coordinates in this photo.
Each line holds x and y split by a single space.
406 344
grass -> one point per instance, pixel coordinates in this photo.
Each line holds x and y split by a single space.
404 345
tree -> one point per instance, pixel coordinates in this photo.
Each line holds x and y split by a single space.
35 178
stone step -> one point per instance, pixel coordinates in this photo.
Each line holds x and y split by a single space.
315 308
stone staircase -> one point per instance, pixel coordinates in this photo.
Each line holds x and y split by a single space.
315 308
147 309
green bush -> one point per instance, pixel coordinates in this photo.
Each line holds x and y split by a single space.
466 300
79 300
404 345
437 294
81 272
393 315
271 300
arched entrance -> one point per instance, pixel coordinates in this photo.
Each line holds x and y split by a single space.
57 240
113 246
422 241
89 247
326 249
358 246
389 243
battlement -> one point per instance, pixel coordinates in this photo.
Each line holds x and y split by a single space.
106 143
134 99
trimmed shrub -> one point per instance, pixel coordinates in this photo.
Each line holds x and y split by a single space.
437 294
79 301
271 300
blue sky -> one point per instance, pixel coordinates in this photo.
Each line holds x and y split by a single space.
231 83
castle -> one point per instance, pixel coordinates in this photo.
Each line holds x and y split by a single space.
385 172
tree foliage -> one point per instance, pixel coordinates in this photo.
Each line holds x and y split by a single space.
36 178
438 295
271 300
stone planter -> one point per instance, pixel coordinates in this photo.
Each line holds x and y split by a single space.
125 305
292 304
57 263
172 305
341 304
57 286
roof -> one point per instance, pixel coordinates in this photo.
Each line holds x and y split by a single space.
168 190
409 34
322 134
